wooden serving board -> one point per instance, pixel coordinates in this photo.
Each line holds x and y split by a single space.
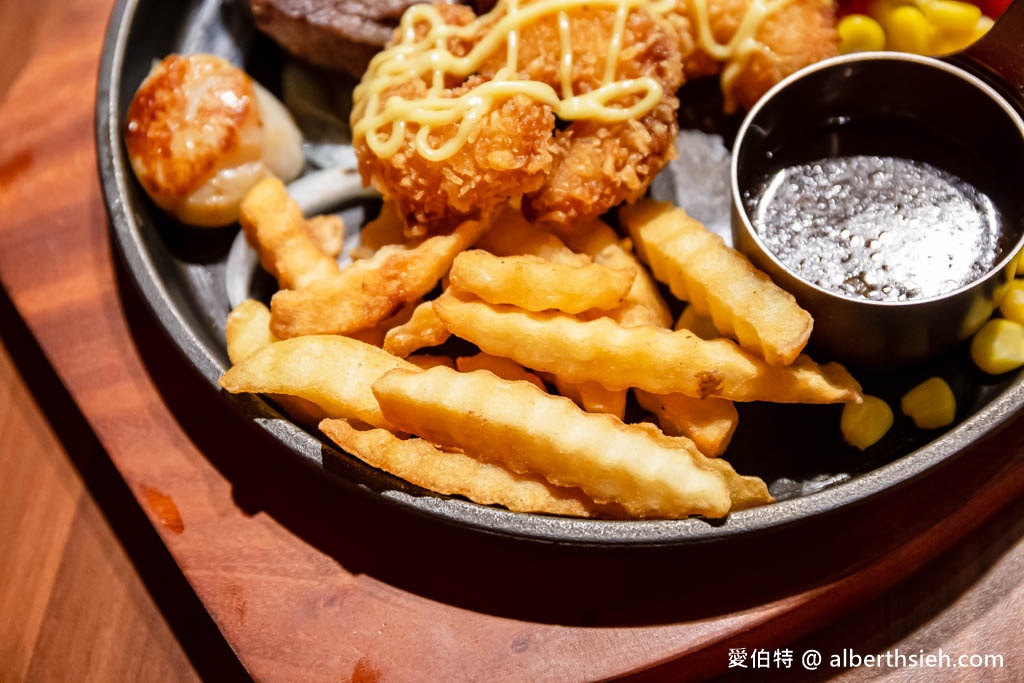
311 580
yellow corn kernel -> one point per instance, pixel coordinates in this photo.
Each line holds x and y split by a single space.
907 30
944 43
1012 305
930 404
863 424
982 27
999 346
860 33
950 16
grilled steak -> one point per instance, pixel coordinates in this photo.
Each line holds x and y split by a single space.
337 34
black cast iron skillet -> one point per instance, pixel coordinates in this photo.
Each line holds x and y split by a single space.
180 273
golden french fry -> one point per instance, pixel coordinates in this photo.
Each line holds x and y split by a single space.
645 357
430 360
333 372
422 330
248 331
644 305
387 228
366 292
532 283
502 367
274 226
328 231
376 335
745 491
595 398
530 431
700 325
455 474
708 422
591 396
718 281
513 235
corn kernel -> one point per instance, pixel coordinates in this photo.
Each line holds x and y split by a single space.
860 33
999 346
946 45
984 24
864 424
907 30
950 16
1012 305
930 404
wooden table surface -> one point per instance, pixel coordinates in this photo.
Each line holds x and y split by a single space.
138 541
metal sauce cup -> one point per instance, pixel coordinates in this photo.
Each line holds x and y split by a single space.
960 111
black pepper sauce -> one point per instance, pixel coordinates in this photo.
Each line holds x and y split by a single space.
877 227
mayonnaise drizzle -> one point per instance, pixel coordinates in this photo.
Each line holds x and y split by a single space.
430 58
741 46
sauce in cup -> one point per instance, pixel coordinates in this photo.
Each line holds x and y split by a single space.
884 191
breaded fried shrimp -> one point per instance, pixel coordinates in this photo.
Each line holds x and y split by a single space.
600 163
753 44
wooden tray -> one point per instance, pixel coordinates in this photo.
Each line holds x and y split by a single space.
311 581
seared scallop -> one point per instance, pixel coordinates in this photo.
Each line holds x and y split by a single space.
201 132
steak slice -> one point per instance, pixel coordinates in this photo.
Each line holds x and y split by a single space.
336 34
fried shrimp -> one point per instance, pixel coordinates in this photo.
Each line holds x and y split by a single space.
753 44
459 114
600 163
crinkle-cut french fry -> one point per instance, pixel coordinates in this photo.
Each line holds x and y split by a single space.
455 474
421 331
595 398
658 360
248 331
333 372
532 283
700 325
376 335
708 422
513 235
431 360
744 490
366 292
505 368
530 431
644 304
387 228
718 281
591 396
274 227
328 231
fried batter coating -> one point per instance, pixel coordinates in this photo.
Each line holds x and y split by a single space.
793 34
515 149
509 152
600 164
